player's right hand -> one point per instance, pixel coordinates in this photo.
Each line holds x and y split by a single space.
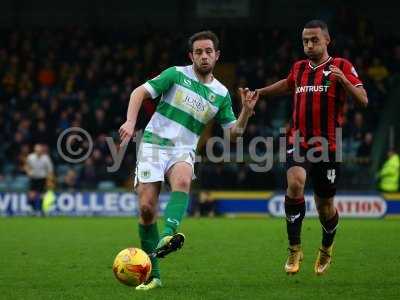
249 99
126 132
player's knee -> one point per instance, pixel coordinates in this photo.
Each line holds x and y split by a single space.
296 185
182 184
147 212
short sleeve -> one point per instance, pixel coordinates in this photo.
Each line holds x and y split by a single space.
290 78
162 83
49 165
225 116
29 160
350 72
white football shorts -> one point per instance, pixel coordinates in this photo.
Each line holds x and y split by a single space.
153 162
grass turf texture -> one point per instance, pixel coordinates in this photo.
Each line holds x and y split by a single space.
71 258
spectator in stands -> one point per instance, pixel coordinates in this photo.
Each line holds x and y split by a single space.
365 149
395 65
202 204
207 204
46 75
358 129
38 168
88 175
70 182
263 118
390 173
377 71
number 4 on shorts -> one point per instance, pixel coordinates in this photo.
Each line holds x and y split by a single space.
331 175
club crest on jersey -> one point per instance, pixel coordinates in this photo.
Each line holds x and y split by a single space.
326 73
211 97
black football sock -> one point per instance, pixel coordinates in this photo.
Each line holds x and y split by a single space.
295 210
329 230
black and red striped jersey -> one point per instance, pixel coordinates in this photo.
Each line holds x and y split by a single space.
318 99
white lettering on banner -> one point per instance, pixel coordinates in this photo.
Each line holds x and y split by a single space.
25 207
275 206
347 205
75 204
14 202
127 202
80 206
361 207
94 206
110 202
4 201
66 202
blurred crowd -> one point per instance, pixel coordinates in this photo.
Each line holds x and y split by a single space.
51 80
54 80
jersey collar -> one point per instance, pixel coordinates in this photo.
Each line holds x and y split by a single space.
321 64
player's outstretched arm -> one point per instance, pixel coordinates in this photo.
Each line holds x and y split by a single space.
357 92
135 102
278 88
249 100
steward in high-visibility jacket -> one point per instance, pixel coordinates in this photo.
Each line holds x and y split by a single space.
390 173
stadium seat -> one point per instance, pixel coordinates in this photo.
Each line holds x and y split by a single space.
106 185
3 186
62 169
20 183
8 168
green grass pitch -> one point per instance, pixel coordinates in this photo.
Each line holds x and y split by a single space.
71 258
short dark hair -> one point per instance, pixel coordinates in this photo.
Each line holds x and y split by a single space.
317 24
204 35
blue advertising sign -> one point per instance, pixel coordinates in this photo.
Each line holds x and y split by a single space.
79 204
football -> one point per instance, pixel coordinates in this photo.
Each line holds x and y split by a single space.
132 266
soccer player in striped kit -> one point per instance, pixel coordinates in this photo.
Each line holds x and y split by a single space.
320 86
190 98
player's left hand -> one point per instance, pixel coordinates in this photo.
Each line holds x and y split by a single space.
337 73
249 99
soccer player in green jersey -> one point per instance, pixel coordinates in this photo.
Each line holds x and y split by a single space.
190 97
